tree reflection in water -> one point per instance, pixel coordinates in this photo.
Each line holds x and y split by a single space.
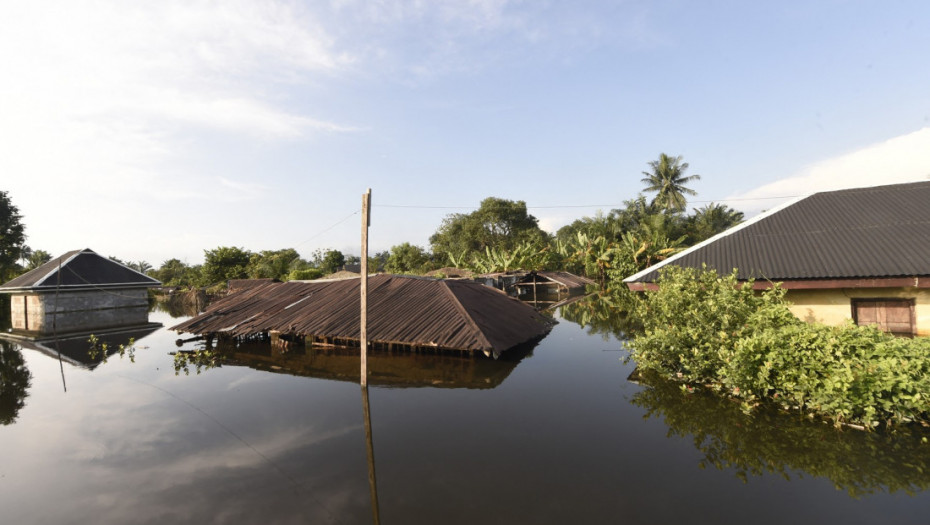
774 441
181 303
604 313
14 382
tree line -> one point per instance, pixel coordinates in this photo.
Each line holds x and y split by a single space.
500 235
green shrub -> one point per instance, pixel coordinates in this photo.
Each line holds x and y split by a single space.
307 274
703 329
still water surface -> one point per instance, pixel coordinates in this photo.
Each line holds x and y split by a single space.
556 435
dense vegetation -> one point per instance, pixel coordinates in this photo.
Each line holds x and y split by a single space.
705 330
12 238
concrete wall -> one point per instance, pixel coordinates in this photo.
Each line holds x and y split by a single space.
78 311
834 307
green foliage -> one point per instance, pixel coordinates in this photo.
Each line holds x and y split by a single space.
101 349
524 256
174 272
711 220
274 264
202 359
667 178
37 258
498 223
12 238
700 328
307 274
332 261
407 258
225 263
140 266
609 261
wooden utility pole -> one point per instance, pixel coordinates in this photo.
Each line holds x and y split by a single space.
366 222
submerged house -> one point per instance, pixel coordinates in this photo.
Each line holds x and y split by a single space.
403 312
860 254
545 283
78 292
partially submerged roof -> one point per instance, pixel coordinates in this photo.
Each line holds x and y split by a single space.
80 270
414 311
864 233
566 279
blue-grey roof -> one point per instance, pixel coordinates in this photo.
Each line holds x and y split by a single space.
875 232
80 269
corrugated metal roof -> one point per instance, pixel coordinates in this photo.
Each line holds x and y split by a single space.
567 279
401 309
875 232
80 269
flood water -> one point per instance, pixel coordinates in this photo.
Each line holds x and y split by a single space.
555 434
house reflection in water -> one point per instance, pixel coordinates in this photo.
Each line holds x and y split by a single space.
385 369
78 351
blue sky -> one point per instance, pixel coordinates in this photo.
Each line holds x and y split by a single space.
156 130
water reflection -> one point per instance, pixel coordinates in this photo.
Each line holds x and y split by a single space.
773 441
181 303
386 369
604 313
14 382
81 352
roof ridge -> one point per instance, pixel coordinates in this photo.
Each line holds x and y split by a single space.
468 319
61 264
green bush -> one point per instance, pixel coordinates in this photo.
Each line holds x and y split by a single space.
703 329
307 274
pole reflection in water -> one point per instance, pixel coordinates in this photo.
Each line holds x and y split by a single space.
372 480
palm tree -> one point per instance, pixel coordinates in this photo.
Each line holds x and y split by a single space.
711 220
667 178
37 258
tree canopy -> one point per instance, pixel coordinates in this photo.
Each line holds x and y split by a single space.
225 263
12 237
498 223
406 258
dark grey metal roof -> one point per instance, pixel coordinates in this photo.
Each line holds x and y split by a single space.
80 269
875 232
446 314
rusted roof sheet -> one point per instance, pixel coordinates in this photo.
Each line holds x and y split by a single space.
402 310
567 279
876 232
237 285
80 269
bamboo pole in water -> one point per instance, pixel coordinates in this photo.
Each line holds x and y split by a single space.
372 481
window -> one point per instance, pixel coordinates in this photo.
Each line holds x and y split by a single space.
891 315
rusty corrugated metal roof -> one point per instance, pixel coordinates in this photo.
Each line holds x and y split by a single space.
407 310
567 279
876 232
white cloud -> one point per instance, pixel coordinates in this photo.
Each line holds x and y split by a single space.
901 159
109 107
